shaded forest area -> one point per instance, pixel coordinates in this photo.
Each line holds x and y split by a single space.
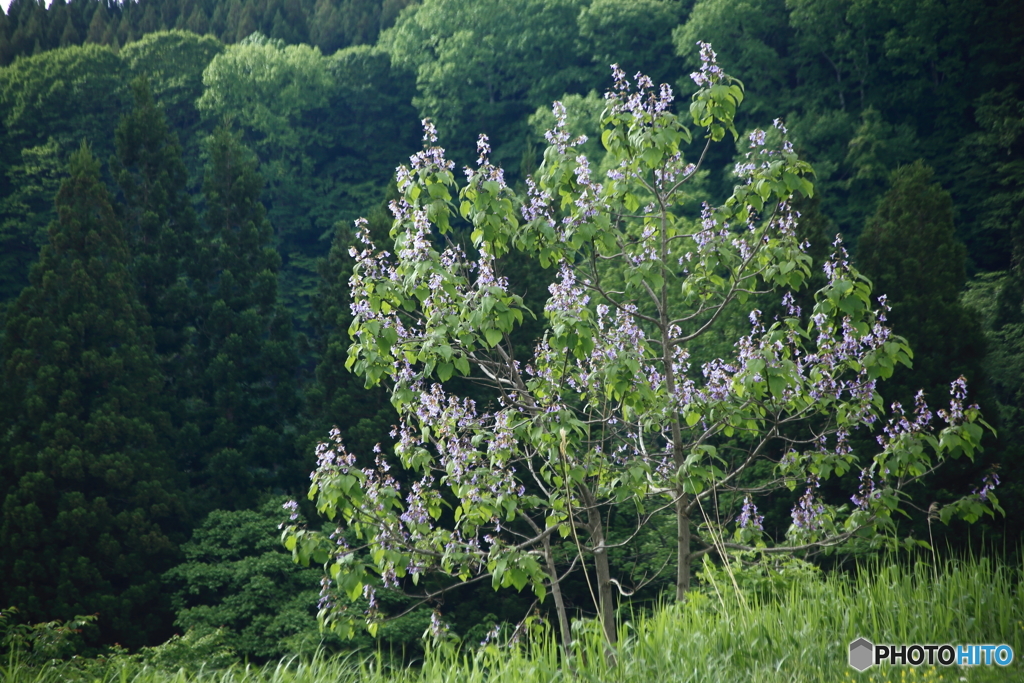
178 182
31 27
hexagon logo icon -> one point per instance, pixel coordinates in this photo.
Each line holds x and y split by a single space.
862 653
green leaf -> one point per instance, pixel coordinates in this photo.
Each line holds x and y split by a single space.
445 371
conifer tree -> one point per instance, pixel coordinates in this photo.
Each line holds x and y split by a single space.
89 510
241 364
98 25
910 251
159 221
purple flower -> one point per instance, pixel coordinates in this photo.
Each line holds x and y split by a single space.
483 149
790 304
990 481
710 73
644 104
566 296
866 491
808 510
839 264
491 635
749 518
558 136
957 396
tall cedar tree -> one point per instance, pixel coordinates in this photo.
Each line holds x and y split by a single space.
910 251
239 382
163 233
159 220
89 505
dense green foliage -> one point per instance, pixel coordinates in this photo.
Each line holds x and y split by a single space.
910 251
237 379
49 105
90 505
29 27
235 576
797 630
160 224
175 325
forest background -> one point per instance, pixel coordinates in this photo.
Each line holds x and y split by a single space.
179 179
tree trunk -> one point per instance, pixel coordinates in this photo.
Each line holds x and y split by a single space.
606 604
556 593
683 539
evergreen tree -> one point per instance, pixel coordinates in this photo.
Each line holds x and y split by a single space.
910 251
325 30
160 223
70 35
98 25
88 504
239 377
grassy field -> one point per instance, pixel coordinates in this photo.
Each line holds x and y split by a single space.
801 634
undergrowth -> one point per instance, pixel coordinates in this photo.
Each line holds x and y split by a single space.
798 633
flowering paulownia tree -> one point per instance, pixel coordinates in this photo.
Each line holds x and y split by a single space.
609 410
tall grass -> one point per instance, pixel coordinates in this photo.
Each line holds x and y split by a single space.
800 635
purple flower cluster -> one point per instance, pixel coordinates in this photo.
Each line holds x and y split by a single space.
558 136
718 376
709 73
866 492
990 481
485 277
957 397
645 249
502 438
415 246
644 104
370 594
325 602
430 159
671 169
491 635
710 235
334 457
807 513
537 204
899 424
790 305
838 266
588 202
566 295
486 170
749 518
438 628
